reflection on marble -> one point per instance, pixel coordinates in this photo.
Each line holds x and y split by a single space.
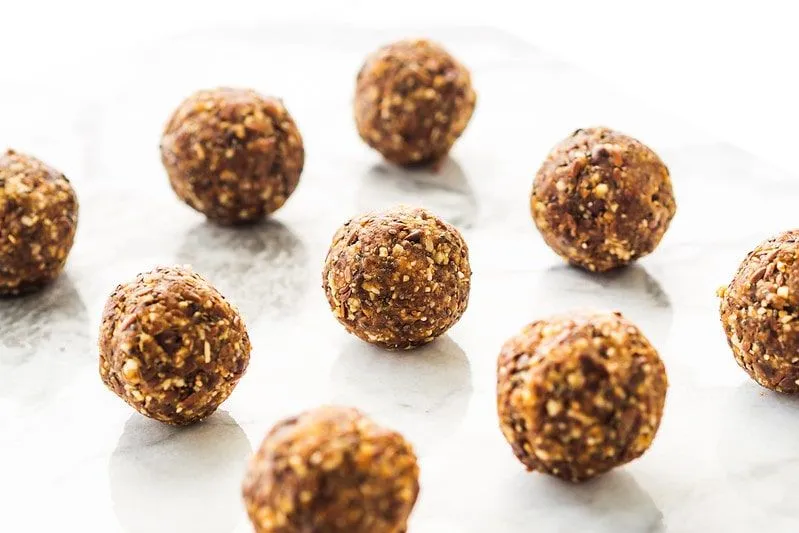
631 290
263 268
176 480
444 190
611 503
423 393
44 341
761 466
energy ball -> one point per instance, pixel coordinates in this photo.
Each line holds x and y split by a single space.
331 470
397 278
579 394
602 199
759 313
232 154
38 219
171 346
412 101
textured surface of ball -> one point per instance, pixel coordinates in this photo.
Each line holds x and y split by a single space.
602 199
171 346
759 313
232 154
38 220
412 101
331 470
579 394
397 278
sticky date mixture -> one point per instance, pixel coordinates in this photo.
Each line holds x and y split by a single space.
38 220
397 278
759 313
413 100
171 346
579 394
232 154
331 470
602 199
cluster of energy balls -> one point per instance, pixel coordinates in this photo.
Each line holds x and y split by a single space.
577 394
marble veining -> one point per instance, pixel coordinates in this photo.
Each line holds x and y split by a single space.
76 458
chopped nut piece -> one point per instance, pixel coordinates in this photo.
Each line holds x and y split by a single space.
38 219
405 298
331 470
589 223
590 374
232 154
400 88
171 346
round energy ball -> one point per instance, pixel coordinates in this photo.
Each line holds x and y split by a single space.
232 154
579 394
331 470
171 346
412 101
602 199
397 278
38 219
759 313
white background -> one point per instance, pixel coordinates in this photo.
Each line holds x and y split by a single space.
728 67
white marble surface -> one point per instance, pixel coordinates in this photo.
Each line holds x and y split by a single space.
76 458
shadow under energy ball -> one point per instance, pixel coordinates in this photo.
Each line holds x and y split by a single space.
424 395
171 346
397 278
758 313
175 480
262 268
44 342
38 220
412 101
579 394
232 154
560 289
445 190
602 199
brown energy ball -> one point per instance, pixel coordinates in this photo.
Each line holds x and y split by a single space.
579 394
397 278
602 199
759 313
232 154
38 219
171 345
412 101
331 470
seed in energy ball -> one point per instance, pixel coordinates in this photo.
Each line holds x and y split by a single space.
759 313
602 199
331 470
412 101
232 154
397 278
171 346
579 394
38 219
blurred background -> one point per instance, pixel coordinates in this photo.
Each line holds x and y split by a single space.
727 67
